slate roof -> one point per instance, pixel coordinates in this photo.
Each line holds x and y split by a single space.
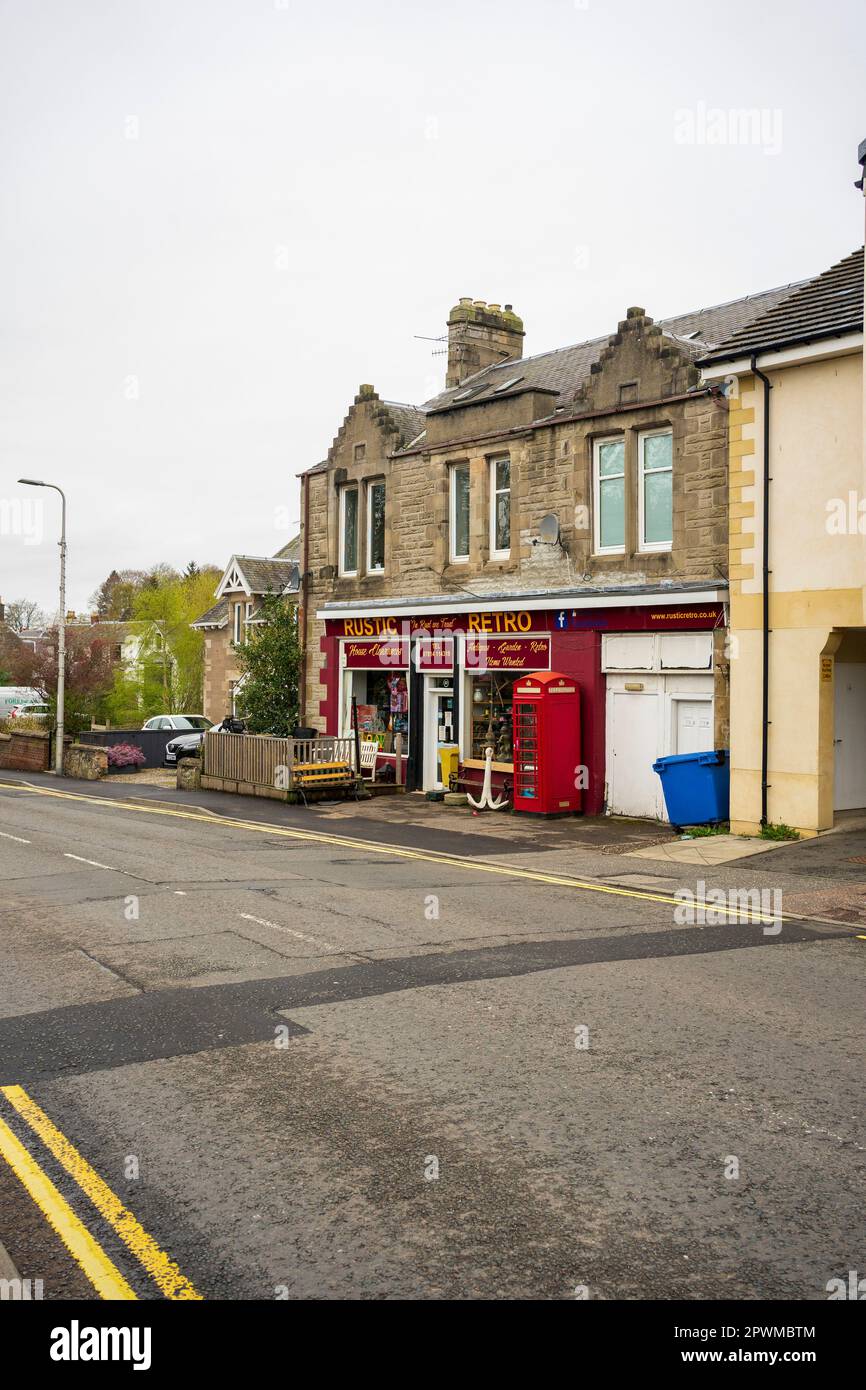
409 419
828 305
266 575
564 369
217 616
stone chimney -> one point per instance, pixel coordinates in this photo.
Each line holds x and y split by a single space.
481 335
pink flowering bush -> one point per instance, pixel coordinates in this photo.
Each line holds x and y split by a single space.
125 755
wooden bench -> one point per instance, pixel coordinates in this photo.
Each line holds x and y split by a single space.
311 776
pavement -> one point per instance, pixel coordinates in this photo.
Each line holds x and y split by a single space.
257 1051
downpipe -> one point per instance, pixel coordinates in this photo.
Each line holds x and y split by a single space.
765 593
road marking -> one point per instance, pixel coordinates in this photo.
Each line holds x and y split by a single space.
159 1266
301 936
19 838
94 862
105 1277
454 861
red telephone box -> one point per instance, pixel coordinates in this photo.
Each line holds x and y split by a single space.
546 713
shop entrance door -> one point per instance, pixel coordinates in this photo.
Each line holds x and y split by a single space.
438 725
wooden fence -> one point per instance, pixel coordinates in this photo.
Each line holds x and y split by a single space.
262 761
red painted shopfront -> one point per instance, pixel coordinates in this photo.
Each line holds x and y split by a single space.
439 678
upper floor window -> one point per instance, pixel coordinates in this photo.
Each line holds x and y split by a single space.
349 530
238 614
655 489
458 525
375 526
609 495
500 506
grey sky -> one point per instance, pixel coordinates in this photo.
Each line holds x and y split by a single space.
221 216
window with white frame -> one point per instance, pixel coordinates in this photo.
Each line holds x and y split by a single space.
349 529
609 495
655 489
375 527
458 527
238 612
500 506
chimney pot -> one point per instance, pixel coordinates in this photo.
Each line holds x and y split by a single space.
481 335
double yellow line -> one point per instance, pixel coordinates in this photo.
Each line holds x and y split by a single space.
737 914
88 1254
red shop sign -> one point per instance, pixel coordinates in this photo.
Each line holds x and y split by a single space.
435 653
507 653
391 655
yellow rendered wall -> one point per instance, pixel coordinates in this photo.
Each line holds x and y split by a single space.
816 585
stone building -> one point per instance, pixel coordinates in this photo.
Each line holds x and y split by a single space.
566 511
246 579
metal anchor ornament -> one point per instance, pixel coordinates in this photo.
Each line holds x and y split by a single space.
487 788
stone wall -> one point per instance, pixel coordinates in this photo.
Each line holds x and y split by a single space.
220 672
86 761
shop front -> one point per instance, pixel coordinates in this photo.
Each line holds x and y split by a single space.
435 681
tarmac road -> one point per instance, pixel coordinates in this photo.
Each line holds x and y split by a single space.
305 1056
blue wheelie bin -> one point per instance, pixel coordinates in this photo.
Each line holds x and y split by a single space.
696 786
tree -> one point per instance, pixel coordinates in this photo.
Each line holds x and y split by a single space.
168 673
115 597
22 613
270 660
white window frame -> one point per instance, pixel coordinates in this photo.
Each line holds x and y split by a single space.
456 559
598 548
236 618
341 539
371 568
652 547
494 493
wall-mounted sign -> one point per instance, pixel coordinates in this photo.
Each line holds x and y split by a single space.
826 668
485 653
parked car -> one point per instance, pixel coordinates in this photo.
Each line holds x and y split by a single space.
189 745
178 721
13 695
37 710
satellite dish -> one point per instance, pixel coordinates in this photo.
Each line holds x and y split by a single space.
548 529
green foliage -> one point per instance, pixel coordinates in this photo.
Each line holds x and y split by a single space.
167 676
270 660
697 832
779 832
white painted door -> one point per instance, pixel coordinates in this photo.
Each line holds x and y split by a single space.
438 729
693 726
633 740
850 736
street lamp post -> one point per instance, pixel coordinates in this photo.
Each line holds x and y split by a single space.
61 626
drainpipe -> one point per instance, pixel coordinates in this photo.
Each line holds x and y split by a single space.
765 586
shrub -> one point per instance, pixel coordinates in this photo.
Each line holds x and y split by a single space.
125 755
779 832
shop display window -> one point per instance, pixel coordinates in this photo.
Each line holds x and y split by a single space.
490 714
383 705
